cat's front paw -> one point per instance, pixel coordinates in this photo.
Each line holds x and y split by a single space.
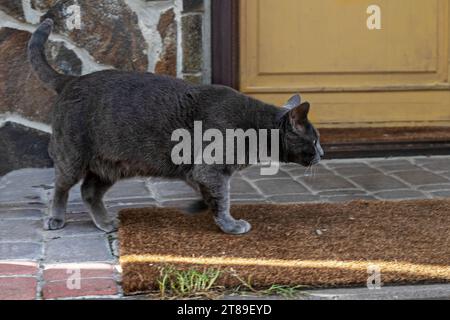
235 227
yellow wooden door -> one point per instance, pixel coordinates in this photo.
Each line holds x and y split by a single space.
355 76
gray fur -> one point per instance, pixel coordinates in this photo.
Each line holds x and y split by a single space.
111 125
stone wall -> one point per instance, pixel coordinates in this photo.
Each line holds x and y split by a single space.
166 37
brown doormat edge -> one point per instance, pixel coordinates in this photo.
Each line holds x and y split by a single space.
316 245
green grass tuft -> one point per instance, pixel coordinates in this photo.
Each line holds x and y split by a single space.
191 283
195 284
288 292
284 291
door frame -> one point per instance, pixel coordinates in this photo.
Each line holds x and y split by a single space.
225 42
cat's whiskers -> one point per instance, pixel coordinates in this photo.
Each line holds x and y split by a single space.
306 172
308 168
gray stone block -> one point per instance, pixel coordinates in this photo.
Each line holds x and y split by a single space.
254 173
280 187
21 230
416 292
74 229
179 204
78 249
378 182
400 195
250 197
23 186
20 251
115 208
173 190
435 187
389 162
294 198
436 165
344 164
343 192
356 171
21 214
398 168
441 194
78 216
299 171
127 189
347 198
421 177
238 201
327 182
240 186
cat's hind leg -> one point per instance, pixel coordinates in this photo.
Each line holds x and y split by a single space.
92 191
63 183
196 206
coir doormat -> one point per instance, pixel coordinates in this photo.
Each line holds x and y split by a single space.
317 245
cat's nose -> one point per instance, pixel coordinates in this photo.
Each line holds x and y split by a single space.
320 150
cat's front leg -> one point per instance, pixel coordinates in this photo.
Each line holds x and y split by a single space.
215 189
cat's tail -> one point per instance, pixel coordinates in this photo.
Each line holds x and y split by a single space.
36 56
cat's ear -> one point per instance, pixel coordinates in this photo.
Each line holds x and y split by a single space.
293 102
299 116
296 111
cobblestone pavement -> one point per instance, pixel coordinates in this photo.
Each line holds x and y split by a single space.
37 264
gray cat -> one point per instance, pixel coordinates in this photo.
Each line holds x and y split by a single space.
111 125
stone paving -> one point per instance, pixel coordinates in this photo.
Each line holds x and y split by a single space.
37 264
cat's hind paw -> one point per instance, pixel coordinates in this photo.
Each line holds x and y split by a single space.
51 223
107 226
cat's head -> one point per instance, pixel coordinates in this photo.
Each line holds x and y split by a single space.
301 139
